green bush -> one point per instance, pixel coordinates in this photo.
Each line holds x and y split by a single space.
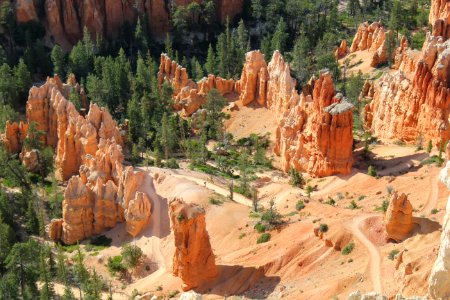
372 171
215 201
432 160
383 207
115 264
260 228
263 238
323 228
353 205
299 205
434 211
131 255
172 164
297 179
348 249
393 254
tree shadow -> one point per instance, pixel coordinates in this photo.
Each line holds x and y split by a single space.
235 280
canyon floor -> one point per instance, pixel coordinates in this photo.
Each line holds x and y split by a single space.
295 263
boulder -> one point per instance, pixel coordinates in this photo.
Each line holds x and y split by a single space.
138 213
193 261
398 218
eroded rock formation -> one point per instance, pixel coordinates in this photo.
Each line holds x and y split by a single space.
415 101
189 96
314 128
371 37
439 281
105 192
193 261
65 19
398 219
342 50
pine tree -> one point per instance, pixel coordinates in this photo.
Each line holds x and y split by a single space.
140 39
167 137
32 223
80 271
47 289
197 70
135 122
257 9
23 79
58 60
280 37
210 65
168 45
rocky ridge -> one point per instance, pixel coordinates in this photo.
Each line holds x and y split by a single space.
415 101
65 20
88 153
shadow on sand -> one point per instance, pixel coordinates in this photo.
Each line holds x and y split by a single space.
235 280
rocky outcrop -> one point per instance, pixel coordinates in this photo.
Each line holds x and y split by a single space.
253 83
105 192
405 109
14 135
315 133
398 218
415 101
193 261
371 37
439 281
342 50
65 19
25 11
188 95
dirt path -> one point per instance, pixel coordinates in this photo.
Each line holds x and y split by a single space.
433 195
218 189
375 258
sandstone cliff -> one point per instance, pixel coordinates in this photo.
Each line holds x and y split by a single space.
65 19
371 37
105 192
188 95
415 101
439 281
193 261
398 219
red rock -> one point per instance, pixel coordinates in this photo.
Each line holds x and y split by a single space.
25 11
14 136
193 261
398 219
188 95
253 82
55 229
228 9
342 50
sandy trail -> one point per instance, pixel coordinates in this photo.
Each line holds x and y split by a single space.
375 258
218 189
432 200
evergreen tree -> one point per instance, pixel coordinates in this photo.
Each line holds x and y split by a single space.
210 65
301 63
215 102
8 86
59 61
167 138
140 38
168 45
82 56
32 221
7 241
47 290
80 272
23 79
93 287
257 9
280 37
197 70
23 260
135 122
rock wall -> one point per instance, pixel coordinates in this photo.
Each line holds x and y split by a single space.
439 281
371 37
194 260
88 152
398 218
415 101
188 95
65 19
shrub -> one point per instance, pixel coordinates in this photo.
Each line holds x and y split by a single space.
309 190
272 216
115 264
215 201
361 197
434 211
260 227
131 255
340 196
432 160
172 164
372 171
429 146
299 205
323 228
242 235
296 178
389 189
393 254
383 207
263 238
348 248
330 201
180 217
353 205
